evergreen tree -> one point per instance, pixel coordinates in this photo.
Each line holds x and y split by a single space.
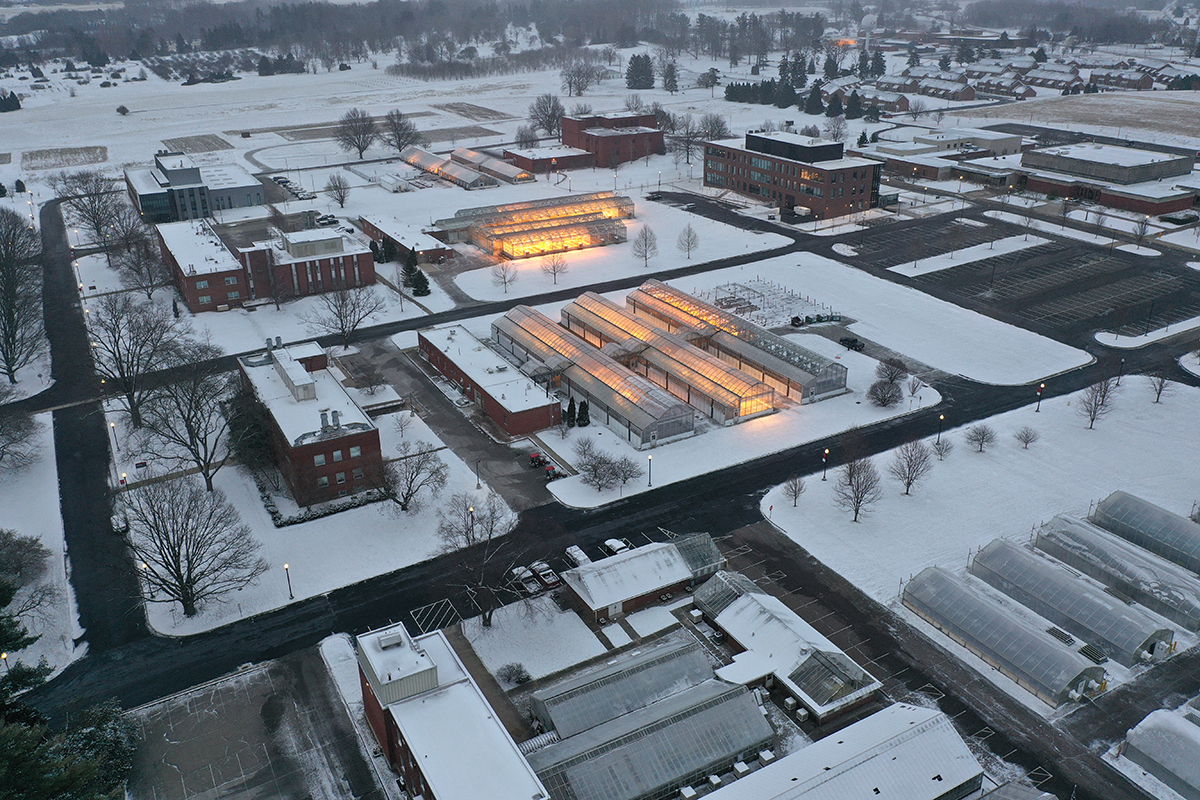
640 72
670 78
1039 55
812 66
944 62
872 114
878 67
914 58
801 79
862 139
19 187
835 108
420 285
389 251
864 65
265 67
853 106
376 253
571 413
813 104
1003 41
582 420
785 95
3 190
785 69
831 67
410 269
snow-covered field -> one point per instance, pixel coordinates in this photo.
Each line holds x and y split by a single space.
971 498
534 633
29 505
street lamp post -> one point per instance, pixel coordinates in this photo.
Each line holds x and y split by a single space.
1120 372
288 572
941 419
1038 407
824 463
478 485
650 470
4 658
471 511
113 426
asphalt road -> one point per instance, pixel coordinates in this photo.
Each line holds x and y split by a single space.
126 662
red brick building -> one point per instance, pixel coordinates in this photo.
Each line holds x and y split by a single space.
326 446
614 138
434 724
544 160
211 277
405 237
793 171
508 398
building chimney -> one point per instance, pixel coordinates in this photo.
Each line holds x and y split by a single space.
268 344
324 420
336 422
279 341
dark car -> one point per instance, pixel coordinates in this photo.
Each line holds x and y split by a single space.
547 576
851 343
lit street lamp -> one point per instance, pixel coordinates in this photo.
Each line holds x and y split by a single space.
4 658
1038 407
941 419
824 463
1121 372
288 572
117 444
650 470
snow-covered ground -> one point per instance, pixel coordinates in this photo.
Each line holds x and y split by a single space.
327 553
956 258
1113 340
1144 448
535 633
29 505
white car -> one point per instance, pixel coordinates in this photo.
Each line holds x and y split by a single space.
616 546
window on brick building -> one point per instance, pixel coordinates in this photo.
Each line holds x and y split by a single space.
341 477
204 299
201 284
358 473
319 460
231 280
355 451
322 482
337 455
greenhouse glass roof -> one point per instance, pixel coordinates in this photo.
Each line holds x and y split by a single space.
1171 536
1145 578
1064 599
699 551
1032 656
719 592
597 696
807 360
656 748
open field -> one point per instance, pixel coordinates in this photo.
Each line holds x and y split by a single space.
1134 113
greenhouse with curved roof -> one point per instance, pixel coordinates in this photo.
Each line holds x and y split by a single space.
1029 656
1125 634
1169 535
1145 578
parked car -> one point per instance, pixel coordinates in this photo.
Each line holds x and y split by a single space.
547 576
851 343
119 522
615 546
523 580
325 223
576 557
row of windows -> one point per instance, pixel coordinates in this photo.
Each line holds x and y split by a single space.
205 299
339 478
319 460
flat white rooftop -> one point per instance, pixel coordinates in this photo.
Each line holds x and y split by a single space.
546 152
411 236
628 575
487 369
1110 154
228 176
197 248
144 181
300 420
392 654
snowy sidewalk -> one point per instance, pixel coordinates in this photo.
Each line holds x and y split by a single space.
516 725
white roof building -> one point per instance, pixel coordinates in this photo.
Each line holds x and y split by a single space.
605 585
196 247
451 734
410 236
487 369
1167 745
902 751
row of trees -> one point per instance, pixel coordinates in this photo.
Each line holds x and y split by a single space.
357 131
21 337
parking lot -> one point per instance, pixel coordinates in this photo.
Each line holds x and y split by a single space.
883 247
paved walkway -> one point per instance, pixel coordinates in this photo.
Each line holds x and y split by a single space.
516 725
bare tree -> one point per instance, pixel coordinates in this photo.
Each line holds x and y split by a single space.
22 558
185 421
546 113
645 245
142 268
916 107
20 293
403 421
1140 229
356 131
126 229
18 433
911 464
688 240
943 447
131 340
578 76
915 385
634 103
793 487
981 436
341 311
190 543
554 264
581 109
418 469
835 128
477 530
398 131
1160 384
1097 401
627 468
1026 436
338 189
713 126
686 139
857 487
90 200
527 137
891 369
884 394
504 275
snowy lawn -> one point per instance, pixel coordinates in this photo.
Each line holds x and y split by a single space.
911 322
1113 340
966 255
1006 491
716 447
1188 239
29 505
327 553
651 620
617 635
534 633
